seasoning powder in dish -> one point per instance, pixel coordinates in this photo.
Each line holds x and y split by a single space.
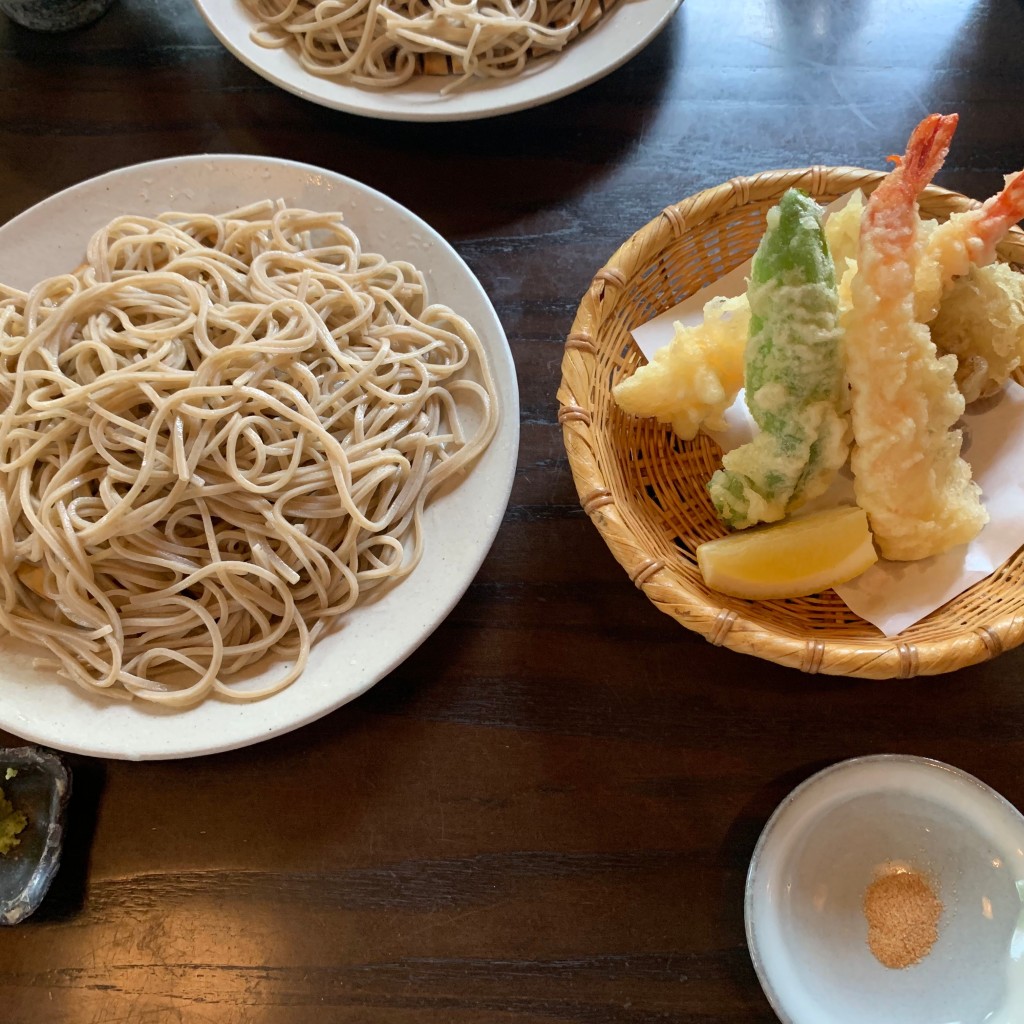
903 914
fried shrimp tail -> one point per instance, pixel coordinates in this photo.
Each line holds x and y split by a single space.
965 242
973 304
794 374
908 473
998 214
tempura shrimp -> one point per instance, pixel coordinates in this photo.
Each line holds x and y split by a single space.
965 241
974 306
908 473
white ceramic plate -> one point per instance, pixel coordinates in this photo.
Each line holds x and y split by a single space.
625 30
459 526
823 847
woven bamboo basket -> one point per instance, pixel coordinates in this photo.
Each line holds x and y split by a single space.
644 489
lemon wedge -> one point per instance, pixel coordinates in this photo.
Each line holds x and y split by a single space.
792 559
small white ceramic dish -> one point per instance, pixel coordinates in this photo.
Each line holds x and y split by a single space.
459 525
821 849
623 32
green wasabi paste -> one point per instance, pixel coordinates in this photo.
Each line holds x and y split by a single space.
11 823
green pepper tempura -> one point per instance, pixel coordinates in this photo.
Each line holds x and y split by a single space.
794 380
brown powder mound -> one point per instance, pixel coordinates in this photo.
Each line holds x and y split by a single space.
903 914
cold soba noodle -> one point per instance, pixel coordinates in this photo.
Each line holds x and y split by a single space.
381 43
215 437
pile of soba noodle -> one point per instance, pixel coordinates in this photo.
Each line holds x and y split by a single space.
216 436
380 43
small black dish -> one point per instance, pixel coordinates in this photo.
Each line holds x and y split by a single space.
39 787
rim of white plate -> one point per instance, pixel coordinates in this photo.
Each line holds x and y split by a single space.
620 34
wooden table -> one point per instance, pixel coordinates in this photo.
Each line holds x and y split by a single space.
545 814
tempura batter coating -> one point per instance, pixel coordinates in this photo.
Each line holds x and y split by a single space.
690 382
908 473
793 374
981 321
975 306
964 241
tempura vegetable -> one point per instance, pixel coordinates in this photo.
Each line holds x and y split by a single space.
908 473
793 374
842 232
981 321
690 382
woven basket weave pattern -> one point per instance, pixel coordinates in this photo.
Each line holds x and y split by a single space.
645 490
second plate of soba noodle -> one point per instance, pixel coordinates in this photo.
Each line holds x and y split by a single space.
442 60
259 425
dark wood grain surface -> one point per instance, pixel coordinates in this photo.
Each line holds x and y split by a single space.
545 815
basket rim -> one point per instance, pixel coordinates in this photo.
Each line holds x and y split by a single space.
720 619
